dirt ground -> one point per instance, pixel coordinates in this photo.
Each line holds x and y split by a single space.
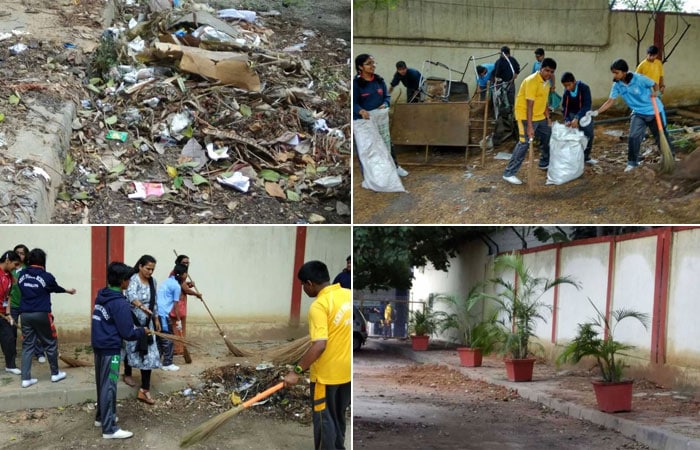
175 414
63 37
477 194
398 403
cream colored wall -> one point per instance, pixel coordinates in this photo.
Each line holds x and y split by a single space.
68 251
246 273
421 30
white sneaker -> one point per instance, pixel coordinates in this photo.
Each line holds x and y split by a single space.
171 367
401 171
13 370
592 161
27 383
512 179
99 424
58 377
119 434
630 168
41 359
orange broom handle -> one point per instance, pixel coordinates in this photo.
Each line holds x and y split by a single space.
263 394
658 116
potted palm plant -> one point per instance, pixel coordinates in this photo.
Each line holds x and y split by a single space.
612 392
476 336
422 324
520 306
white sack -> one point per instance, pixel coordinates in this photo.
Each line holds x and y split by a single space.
378 169
566 148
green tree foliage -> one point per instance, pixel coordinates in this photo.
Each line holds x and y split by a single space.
384 256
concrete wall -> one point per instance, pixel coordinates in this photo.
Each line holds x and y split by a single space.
245 273
420 30
653 271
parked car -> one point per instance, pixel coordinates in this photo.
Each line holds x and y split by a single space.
359 329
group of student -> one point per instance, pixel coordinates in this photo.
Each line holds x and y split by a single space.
125 314
640 90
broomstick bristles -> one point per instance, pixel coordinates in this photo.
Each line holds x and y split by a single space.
667 160
291 352
175 338
204 430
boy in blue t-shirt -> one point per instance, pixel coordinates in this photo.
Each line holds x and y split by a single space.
167 297
638 92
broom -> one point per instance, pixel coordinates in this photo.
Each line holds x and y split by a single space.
174 338
289 353
667 161
531 169
232 348
207 428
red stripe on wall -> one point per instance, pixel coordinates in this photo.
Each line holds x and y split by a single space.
555 303
658 321
107 246
611 274
299 255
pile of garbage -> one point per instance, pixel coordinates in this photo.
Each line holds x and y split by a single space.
228 386
185 106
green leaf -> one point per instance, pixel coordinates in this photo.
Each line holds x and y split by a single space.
187 132
111 120
110 83
119 168
2 117
93 89
177 182
293 196
188 164
310 169
92 178
68 164
82 195
321 169
270 175
246 111
65 196
197 179
95 81
14 100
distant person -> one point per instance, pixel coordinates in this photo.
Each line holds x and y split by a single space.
329 356
506 70
532 115
344 278
653 68
575 103
186 288
111 322
9 261
408 77
483 75
537 65
388 318
638 92
36 286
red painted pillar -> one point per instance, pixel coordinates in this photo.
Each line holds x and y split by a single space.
659 30
299 255
107 245
658 321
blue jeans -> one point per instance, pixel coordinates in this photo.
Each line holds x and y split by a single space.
543 132
638 126
166 345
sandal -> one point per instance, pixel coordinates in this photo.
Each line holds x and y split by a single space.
145 396
129 381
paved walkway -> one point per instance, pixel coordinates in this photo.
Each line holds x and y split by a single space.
79 385
673 433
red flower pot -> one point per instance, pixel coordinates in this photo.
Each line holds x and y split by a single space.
419 343
520 369
613 397
469 357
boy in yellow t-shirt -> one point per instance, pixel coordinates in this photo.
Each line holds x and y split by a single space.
532 115
329 355
653 68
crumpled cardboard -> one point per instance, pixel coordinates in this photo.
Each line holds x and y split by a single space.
225 67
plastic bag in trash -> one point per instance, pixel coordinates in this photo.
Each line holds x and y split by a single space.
248 16
237 181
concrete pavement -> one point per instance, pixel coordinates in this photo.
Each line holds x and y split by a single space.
673 433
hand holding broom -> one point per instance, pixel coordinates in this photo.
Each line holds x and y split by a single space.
207 428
